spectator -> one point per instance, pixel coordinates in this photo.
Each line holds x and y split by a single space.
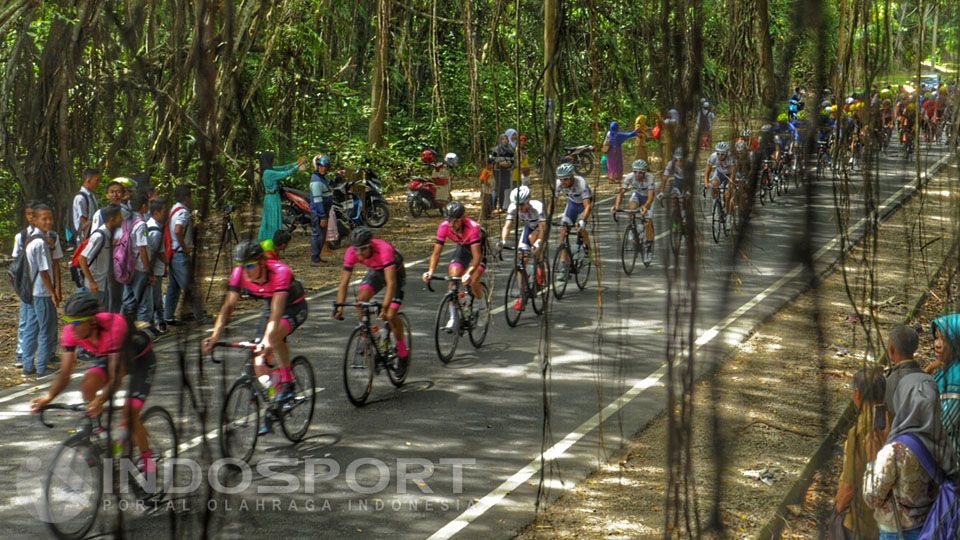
40 335
151 308
521 172
863 442
901 345
85 205
19 242
896 485
946 372
134 292
180 227
95 261
271 176
115 194
668 134
321 201
640 126
503 162
273 249
486 189
705 125
613 148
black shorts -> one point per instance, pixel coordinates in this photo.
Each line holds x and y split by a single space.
376 280
141 370
293 317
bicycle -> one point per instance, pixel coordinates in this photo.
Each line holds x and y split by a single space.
73 487
634 242
721 218
524 287
371 349
467 317
678 221
768 181
240 416
576 262
824 158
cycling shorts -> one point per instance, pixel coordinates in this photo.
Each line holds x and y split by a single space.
375 280
294 315
462 257
528 228
141 371
572 212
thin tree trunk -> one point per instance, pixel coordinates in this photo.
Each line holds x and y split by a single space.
476 145
766 54
375 132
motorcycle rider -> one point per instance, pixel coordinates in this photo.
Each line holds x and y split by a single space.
321 200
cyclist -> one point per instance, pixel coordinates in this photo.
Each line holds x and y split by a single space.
787 136
721 168
579 206
673 177
467 262
386 270
118 349
643 184
530 213
285 310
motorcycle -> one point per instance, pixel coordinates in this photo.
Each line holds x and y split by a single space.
581 157
426 193
376 211
295 209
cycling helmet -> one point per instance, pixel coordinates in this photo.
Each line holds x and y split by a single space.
81 304
706 104
361 237
640 165
451 160
678 153
766 128
455 210
783 117
321 160
428 156
741 146
825 103
848 101
248 250
565 170
520 195
722 147
746 133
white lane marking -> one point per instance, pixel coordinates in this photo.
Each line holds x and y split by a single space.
513 482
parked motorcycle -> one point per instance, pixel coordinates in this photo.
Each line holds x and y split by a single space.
581 157
295 208
426 193
376 211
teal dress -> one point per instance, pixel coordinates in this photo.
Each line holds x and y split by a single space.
272 220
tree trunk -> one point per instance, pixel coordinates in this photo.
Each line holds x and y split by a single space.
379 94
766 54
934 57
476 143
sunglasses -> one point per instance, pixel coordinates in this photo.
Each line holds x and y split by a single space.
249 265
76 321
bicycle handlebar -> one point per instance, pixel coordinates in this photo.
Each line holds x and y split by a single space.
372 305
76 407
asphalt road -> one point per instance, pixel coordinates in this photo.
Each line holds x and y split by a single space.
457 450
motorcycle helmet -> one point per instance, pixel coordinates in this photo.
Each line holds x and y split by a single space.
428 156
321 160
451 160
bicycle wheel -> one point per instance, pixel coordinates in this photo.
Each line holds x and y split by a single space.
584 164
73 489
297 413
446 331
240 421
358 362
480 319
514 297
397 373
764 187
538 287
717 220
778 185
162 436
676 236
821 164
583 266
561 271
796 172
628 250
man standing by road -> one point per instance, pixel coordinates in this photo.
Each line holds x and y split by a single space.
901 345
85 205
180 227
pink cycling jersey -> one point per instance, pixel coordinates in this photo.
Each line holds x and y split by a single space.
469 233
382 256
279 279
110 338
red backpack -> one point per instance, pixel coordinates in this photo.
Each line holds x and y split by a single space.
167 235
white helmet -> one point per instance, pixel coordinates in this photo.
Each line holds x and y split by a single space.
746 133
451 160
520 195
565 170
678 153
741 146
722 147
640 165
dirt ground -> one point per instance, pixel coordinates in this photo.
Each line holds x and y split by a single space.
413 236
776 403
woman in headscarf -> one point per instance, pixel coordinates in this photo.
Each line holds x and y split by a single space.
614 145
503 157
640 127
272 218
896 485
946 372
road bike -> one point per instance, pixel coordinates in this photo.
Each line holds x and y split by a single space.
73 487
824 159
634 243
460 313
678 221
570 260
240 417
370 350
524 287
720 216
768 181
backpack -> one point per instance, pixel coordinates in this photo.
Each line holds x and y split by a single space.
72 233
943 520
168 236
19 271
76 274
124 261
155 254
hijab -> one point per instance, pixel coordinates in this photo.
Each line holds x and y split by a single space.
511 137
917 403
504 149
266 160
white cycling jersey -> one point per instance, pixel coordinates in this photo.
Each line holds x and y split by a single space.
532 216
577 192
